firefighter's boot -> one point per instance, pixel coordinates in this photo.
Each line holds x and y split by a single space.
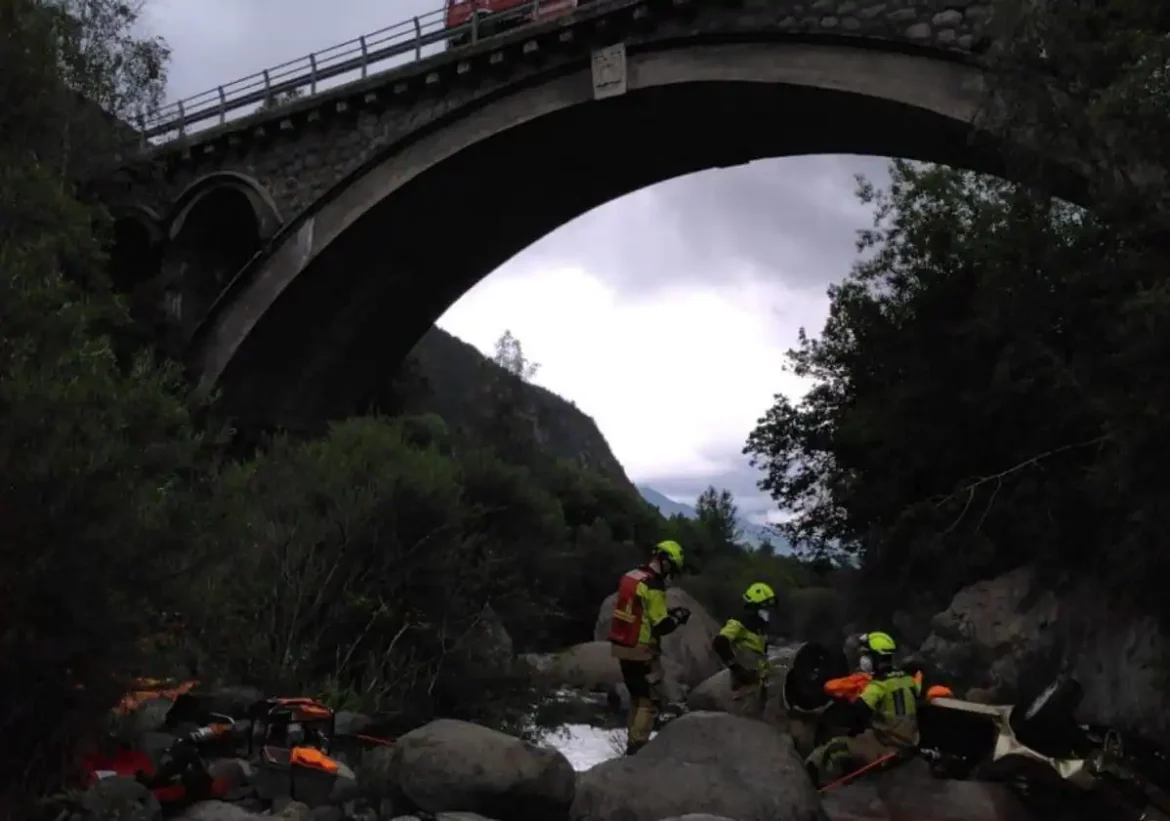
643 713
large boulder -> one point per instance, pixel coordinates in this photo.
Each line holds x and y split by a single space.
908 793
446 816
589 666
455 766
1007 636
795 700
702 762
119 798
217 811
540 664
995 635
688 658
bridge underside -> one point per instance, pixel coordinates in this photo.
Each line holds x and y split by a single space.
346 323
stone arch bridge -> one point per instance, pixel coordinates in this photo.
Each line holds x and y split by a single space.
295 256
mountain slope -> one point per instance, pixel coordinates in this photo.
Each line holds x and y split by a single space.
455 374
753 534
666 506
450 377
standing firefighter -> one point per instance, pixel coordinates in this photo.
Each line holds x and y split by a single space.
885 715
742 644
640 620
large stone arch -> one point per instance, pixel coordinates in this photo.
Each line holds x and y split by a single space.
346 289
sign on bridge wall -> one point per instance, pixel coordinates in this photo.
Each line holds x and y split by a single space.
609 71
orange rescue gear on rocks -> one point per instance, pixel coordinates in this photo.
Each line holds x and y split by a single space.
626 624
847 687
850 687
152 688
312 758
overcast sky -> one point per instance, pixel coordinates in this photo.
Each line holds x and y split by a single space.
665 314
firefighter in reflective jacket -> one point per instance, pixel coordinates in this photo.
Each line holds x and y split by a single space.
640 619
742 644
886 715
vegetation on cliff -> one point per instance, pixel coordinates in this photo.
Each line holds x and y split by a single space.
990 386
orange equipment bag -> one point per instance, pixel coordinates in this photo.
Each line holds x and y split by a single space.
312 758
625 626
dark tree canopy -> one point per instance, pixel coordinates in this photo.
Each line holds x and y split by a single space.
989 387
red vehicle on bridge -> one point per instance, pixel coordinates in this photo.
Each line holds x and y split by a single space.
494 16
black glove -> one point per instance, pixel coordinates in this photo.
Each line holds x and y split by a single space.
681 614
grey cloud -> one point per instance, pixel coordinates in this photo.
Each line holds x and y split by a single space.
740 480
790 220
218 41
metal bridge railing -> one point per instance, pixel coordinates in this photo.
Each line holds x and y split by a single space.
359 57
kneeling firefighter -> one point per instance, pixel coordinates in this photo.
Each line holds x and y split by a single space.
640 619
885 715
742 644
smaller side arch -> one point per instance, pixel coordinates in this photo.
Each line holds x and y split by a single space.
267 213
136 243
142 217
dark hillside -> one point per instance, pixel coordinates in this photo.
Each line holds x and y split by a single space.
458 377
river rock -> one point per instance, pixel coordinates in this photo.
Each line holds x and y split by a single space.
909 793
590 666
1007 636
702 762
456 766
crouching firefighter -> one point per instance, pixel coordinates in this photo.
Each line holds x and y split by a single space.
885 716
640 620
742 644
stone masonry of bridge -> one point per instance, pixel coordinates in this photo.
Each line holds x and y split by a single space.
199 208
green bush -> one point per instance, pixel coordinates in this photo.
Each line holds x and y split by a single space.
362 569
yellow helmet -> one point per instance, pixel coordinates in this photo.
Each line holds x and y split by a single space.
673 552
880 643
759 593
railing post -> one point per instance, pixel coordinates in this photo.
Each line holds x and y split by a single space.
475 24
313 74
267 85
222 106
365 56
417 40
182 119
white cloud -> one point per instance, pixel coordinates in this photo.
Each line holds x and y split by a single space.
675 381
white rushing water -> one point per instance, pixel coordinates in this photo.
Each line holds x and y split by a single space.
586 746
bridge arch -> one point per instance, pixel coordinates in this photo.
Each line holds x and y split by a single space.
422 223
136 243
212 188
215 226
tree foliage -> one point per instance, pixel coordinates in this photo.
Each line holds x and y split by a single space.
719 514
988 387
510 356
278 99
102 462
